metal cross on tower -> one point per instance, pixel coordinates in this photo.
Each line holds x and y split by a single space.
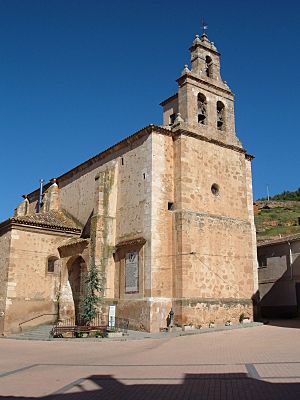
204 26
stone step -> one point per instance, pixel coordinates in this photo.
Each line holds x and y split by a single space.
38 333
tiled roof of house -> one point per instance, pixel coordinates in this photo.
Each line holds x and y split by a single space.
74 242
278 240
52 219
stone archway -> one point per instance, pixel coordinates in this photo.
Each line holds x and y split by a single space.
76 276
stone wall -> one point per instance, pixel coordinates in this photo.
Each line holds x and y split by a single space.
31 290
145 187
170 108
77 192
162 254
253 254
202 165
203 311
274 204
117 193
5 240
214 232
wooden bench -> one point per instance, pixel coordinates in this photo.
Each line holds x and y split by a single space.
59 331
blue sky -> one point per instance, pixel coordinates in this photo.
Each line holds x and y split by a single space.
78 76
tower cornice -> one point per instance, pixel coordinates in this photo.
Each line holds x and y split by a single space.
184 79
195 46
178 131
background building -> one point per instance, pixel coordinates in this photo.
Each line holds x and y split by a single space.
279 276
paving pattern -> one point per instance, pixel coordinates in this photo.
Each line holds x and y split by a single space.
257 363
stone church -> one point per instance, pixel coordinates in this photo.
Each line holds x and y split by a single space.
166 215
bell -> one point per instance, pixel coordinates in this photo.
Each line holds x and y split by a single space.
201 118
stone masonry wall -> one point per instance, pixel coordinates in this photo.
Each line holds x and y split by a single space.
31 289
134 205
121 211
203 164
162 254
253 230
4 264
214 233
77 192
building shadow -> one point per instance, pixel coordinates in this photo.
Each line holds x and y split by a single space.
293 323
194 387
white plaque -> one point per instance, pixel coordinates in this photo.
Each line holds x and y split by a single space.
132 272
112 316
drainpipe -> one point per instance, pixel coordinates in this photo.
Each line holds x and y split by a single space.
40 200
291 259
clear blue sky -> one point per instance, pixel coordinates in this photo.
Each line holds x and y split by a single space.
78 76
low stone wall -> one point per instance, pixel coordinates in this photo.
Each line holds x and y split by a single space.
148 315
136 311
204 311
33 312
274 204
186 311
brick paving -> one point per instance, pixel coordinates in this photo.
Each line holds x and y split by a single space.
258 363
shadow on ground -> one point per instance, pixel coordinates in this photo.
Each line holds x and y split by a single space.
194 387
284 323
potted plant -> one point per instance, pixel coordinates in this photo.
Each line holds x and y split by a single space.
244 319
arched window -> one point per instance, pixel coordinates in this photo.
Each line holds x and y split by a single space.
51 264
208 66
220 116
202 113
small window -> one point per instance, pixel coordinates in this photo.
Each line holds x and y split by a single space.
170 206
262 261
51 264
201 101
215 189
122 161
220 116
172 119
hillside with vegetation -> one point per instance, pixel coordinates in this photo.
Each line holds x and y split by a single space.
280 216
285 196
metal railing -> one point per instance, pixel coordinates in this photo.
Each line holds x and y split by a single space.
33 318
79 321
120 324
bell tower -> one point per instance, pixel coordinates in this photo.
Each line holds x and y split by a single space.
214 271
204 103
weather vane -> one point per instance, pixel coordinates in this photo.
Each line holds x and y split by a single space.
204 26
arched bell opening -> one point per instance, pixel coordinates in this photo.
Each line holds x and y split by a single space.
208 67
220 116
202 112
77 278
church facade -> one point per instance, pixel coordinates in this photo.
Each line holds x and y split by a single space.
166 215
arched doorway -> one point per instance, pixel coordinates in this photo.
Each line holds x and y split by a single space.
77 277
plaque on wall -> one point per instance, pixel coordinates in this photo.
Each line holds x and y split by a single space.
112 316
132 272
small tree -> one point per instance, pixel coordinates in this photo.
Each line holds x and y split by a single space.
93 294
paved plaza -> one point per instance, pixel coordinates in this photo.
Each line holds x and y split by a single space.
261 362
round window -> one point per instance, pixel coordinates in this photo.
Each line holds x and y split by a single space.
215 189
